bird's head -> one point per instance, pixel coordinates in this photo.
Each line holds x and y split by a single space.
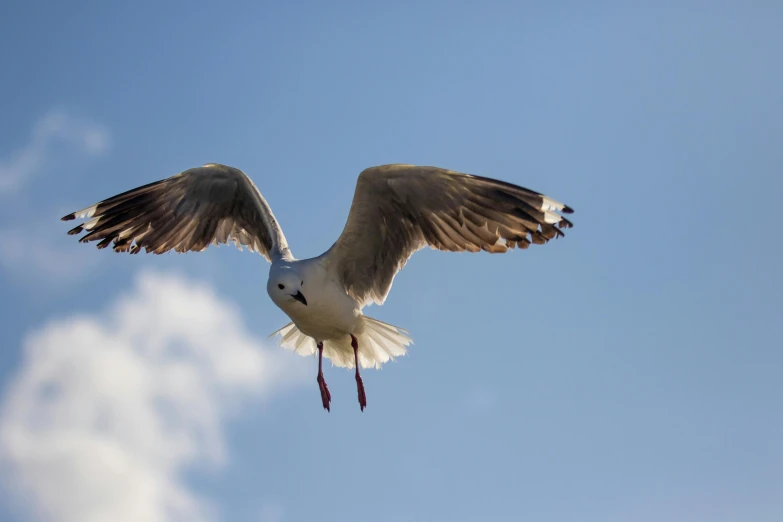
285 287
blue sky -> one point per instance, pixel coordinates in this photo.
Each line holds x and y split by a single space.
630 371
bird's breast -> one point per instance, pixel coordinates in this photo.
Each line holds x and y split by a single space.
329 314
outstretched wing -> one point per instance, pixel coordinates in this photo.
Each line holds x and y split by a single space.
398 209
186 212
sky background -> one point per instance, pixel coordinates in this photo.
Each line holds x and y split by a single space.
629 372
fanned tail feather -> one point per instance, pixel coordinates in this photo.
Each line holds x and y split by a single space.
379 343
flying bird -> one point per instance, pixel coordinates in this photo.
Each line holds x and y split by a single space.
396 210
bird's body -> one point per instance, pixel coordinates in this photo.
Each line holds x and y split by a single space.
396 210
330 312
331 316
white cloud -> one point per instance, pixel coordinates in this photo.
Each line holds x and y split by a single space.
108 410
56 126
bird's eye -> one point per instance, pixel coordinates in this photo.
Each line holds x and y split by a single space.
281 287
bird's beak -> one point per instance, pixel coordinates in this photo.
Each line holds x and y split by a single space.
299 297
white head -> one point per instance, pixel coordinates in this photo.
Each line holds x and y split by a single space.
285 287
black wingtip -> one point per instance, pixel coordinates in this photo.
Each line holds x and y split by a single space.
76 230
564 223
69 217
568 210
105 242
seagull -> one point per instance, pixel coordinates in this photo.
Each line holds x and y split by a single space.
397 210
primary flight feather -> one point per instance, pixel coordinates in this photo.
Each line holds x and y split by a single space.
396 210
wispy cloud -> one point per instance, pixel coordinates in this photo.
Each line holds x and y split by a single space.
55 127
31 250
34 246
107 410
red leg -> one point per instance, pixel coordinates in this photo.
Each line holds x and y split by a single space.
359 383
326 397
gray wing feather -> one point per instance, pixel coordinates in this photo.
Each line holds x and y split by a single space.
399 209
187 212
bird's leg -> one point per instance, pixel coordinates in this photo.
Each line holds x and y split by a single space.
326 397
359 383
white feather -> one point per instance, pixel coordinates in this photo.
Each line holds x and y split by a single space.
90 224
85 212
550 204
551 217
379 343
